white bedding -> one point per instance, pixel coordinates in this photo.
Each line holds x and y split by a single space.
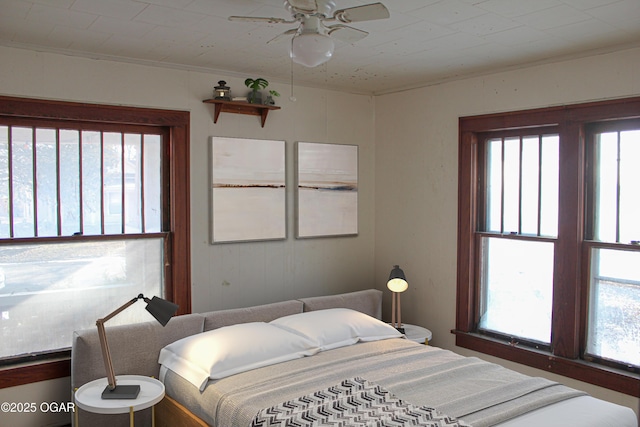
583 411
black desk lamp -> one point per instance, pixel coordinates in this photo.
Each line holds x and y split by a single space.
162 311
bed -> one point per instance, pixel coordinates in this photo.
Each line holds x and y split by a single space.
310 356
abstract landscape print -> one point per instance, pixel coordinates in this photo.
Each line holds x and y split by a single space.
327 190
248 184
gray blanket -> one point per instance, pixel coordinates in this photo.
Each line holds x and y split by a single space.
479 393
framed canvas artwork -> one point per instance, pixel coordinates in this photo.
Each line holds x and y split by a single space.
327 190
248 190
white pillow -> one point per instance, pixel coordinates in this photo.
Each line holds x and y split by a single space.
337 327
233 349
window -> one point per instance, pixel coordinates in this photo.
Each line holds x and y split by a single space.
613 327
548 240
93 211
63 182
520 207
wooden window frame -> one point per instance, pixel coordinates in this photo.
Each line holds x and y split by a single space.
178 267
570 269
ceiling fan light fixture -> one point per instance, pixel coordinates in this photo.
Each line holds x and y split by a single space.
311 50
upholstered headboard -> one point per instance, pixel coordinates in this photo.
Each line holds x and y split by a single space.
135 348
369 302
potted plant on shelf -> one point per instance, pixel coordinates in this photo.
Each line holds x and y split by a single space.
270 100
255 96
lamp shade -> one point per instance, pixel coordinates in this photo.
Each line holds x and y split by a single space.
397 280
311 49
161 309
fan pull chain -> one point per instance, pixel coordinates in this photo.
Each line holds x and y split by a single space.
292 97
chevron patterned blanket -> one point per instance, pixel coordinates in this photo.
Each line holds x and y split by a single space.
354 402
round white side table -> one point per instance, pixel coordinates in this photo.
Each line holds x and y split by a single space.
89 396
417 333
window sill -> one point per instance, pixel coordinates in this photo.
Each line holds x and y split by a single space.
27 372
613 379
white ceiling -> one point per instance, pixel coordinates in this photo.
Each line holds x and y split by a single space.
423 42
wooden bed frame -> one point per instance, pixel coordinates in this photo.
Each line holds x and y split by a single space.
170 413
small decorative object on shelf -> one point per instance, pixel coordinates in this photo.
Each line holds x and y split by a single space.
222 91
255 96
269 100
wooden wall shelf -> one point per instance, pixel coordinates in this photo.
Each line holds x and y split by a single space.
239 107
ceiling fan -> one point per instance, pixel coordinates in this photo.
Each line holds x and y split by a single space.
312 43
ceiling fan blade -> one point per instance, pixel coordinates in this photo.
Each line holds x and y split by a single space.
261 19
368 12
304 5
345 33
281 36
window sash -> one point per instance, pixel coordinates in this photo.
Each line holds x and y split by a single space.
613 329
613 157
520 170
79 281
516 294
71 180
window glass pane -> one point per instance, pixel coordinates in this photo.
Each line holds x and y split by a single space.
614 306
494 185
77 284
152 187
22 182
69 182
550 166
629 186
511 185
5 203
517 288
530 184
47 182
606 187
91 183
112 170
133 183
